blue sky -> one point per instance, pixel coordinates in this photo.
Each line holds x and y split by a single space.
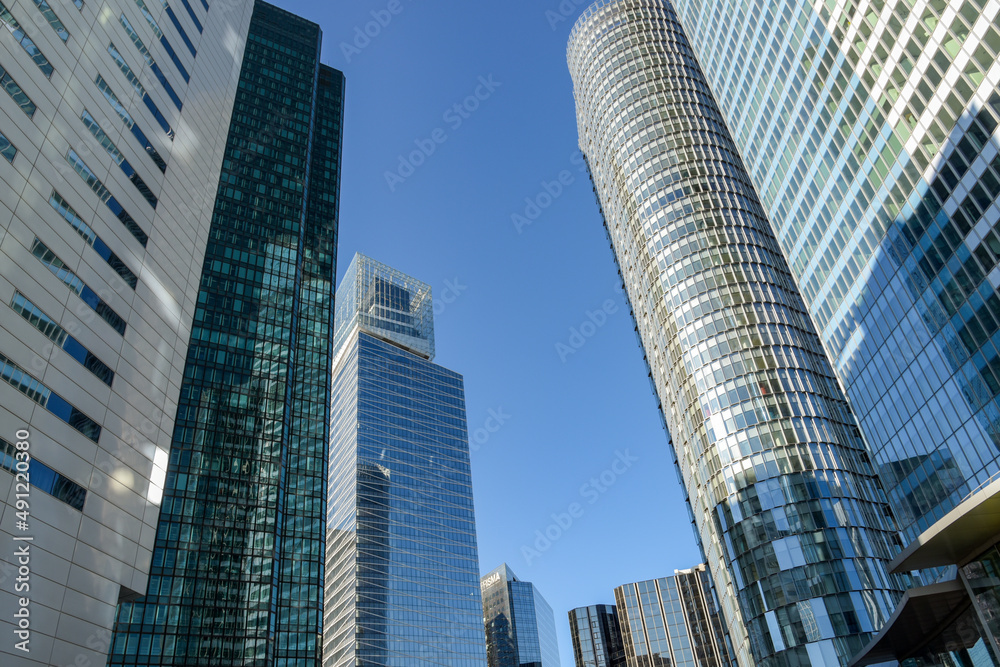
571 405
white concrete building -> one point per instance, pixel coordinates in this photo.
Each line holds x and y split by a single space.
113 121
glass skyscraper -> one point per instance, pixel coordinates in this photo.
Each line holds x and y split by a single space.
674 622
402 565
870 130
520 626
113 119
786 504
237 566
597 637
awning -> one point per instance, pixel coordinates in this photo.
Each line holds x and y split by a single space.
923 622
957 536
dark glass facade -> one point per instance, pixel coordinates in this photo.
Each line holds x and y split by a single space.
402 573
786 504
597 637
237 567
519 623
674 622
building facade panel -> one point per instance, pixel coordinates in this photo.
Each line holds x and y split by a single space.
870 130
238 555
97 301
785 501
402 580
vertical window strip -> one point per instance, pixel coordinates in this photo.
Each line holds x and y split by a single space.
50 16
7 149
155 27
179 27
79 4
119 108
148 57
95 184
93 240
204 3
19 96
71 280
37 318
22 38
116 155
134 82
21 380
190 11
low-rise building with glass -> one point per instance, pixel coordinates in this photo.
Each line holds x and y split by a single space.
519 623
597 637
674 622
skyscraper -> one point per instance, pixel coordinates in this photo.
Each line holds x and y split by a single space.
597 637
237 566
786 505
674 622
520 626
870 130
402 565
112 135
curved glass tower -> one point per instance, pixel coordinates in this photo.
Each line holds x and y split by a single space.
870 129
786 504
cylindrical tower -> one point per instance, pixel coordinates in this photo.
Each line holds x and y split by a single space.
789 514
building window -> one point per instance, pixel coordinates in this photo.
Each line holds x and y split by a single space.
148 57
119 159
71 280
18 378
92 239
33 52
45 478
53 20
7 149
95 184
16 94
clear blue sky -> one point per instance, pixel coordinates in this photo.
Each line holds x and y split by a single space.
517 294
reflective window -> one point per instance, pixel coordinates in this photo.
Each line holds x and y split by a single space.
139 89
22 38
84 230
15 92
148 57
119 108
50 16
119 159
71 280
21 380
80 167
7 149
44 478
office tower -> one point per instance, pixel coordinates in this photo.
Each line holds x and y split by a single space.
597 637
674 622
869 128
111 141
402 565
785 502
520 625
237 566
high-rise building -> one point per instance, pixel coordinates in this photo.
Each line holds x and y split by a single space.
597 637
520 626
112 135
785 501
237 565
674 622
870 130
402 565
